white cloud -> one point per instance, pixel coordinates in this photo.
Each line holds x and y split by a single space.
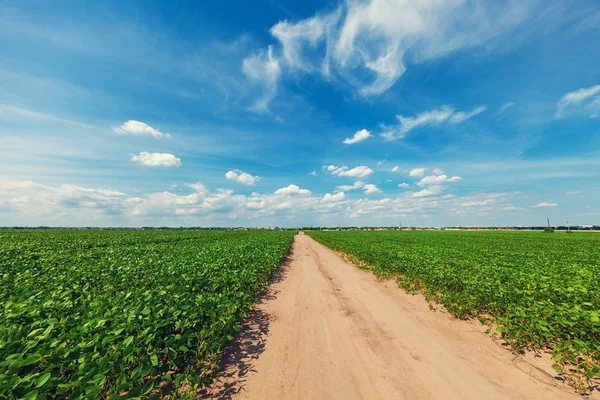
294 38
381 34
138 128
370 44
478 203
544 204
437 179
403 185
242 177
359 136
430 191
506 106
371 189
396 169
354 186
357 172
572 192
428 118
263 69
29 203
416 172
437 171
380 162
582 101
313 173
156 159
199 188
462 116
329 198
293 190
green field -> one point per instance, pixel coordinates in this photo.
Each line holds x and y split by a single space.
90 313
541 290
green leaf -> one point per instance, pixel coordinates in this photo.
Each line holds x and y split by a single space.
32 359
43 379
557 367
128 341
154 360
32 395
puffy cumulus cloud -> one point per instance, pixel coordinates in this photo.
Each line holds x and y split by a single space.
396 169
242 177
334 198
156 159
371 189
417 172
437 179
50 203
359 136
428 118
545 204
403 185
369 44
367 187
263 69
361 171
584 101
437 171
198 187
313 173
430 191
138 128
32 203
293 190
354 186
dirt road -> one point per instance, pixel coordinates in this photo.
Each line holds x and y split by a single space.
328 330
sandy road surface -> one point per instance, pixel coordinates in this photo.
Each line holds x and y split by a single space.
328 330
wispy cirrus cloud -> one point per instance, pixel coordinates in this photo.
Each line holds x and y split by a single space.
264 70
584 101
368 44
445 114
506 106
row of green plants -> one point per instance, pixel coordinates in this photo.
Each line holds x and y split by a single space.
112 314
540 292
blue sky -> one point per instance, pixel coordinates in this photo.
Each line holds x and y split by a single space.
229 113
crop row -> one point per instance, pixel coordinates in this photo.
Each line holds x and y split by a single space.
541 291
116 313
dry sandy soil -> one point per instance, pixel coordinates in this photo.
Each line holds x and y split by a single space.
328 330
